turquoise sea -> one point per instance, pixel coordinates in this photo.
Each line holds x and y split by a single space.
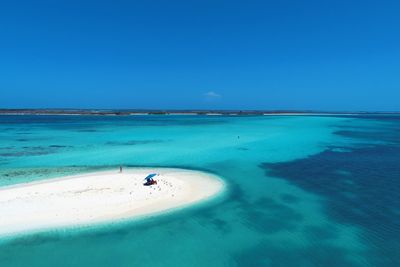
301 190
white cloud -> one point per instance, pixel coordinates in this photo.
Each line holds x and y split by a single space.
212 94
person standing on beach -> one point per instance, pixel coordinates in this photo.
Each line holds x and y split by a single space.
120 168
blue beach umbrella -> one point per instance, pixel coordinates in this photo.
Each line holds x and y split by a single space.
150 176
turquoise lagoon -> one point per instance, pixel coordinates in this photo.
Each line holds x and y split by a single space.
301 190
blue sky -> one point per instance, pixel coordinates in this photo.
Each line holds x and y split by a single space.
321 55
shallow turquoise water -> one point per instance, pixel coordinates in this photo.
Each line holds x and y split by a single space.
297 189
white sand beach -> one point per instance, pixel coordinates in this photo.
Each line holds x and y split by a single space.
100 197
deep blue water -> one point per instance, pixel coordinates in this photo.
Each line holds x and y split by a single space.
360 183
302 190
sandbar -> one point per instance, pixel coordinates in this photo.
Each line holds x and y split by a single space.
101 197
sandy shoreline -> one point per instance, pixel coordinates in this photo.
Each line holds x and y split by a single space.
100 197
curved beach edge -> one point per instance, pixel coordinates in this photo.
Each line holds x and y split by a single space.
102 197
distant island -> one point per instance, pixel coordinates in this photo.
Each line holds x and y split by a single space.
128 112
